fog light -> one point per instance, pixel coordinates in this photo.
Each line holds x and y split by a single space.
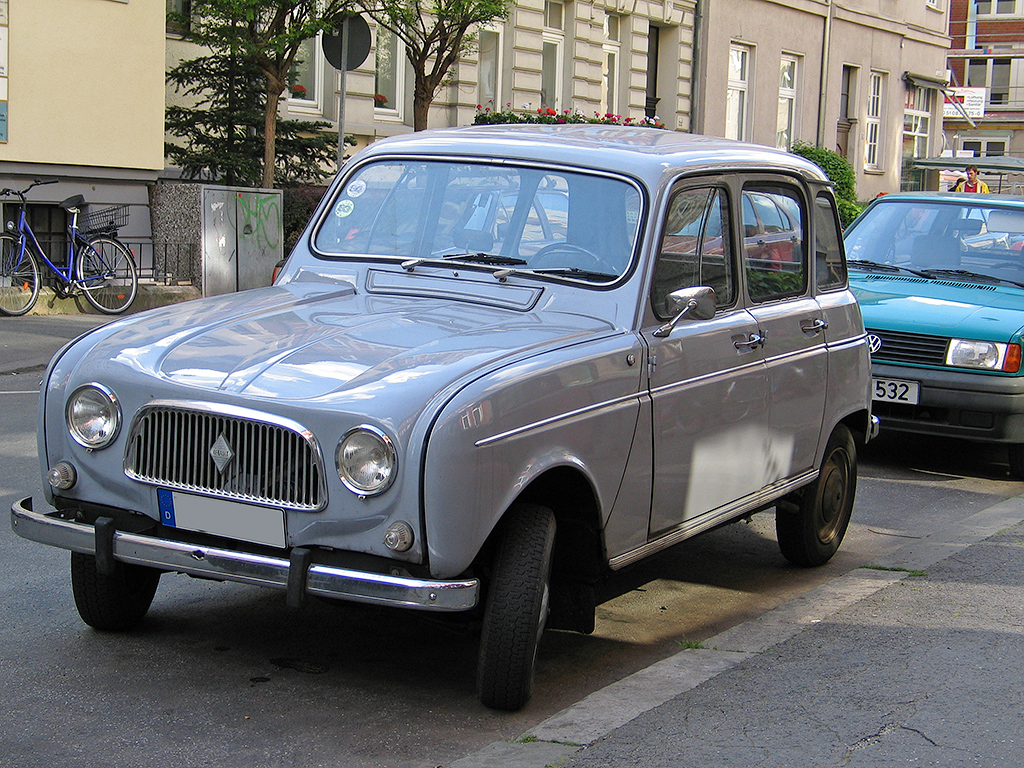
62 476
398 537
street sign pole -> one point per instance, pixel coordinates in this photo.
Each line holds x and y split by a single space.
346 49
341 94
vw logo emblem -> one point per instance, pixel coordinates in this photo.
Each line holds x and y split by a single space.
874 343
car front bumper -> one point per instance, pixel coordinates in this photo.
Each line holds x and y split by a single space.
297 575
956 404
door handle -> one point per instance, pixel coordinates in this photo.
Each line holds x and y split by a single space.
752 341
814 326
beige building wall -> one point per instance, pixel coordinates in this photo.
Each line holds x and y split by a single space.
85 85
863 36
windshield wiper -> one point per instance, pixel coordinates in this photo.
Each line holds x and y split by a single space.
582 274
970 276
880 267
485 258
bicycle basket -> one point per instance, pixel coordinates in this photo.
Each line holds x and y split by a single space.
103 220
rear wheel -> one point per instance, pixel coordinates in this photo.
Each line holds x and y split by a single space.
114 602
19 277
107 275
517 607
810 525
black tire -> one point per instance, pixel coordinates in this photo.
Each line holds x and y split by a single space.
117 602
517 607
107 274
811 524
1017 461
19 278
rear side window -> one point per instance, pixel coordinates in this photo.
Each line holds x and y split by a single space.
695 248
829 267
774 257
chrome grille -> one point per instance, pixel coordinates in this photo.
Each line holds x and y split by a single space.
910 348
262 459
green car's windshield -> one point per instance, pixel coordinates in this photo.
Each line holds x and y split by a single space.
981 241
554 221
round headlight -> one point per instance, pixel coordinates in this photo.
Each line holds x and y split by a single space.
366 460
93 416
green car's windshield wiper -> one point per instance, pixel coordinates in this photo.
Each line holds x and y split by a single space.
485 258
582 274
880 267
964 273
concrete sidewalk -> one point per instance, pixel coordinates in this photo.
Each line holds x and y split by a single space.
915 660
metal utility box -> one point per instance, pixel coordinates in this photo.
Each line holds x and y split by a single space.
242 237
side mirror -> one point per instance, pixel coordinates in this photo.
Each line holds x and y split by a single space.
698 303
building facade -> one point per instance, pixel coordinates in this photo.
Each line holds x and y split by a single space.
83 100
987 58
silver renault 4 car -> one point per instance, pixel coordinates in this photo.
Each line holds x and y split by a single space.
502 362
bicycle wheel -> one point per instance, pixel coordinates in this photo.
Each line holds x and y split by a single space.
105 271
19 277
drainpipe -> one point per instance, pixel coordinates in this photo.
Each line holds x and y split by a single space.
823 91
696 88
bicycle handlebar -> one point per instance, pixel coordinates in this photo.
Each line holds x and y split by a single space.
21 193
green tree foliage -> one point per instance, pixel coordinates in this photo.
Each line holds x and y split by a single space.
840 172
267 35
435 34
222 132
298 206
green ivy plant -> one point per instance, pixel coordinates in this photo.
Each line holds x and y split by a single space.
840 172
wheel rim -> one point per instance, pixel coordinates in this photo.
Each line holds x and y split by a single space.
834 496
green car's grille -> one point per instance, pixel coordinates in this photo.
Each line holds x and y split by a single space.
908 348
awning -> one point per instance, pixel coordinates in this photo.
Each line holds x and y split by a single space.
942 86
1003 164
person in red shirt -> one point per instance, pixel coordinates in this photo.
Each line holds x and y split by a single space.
972 183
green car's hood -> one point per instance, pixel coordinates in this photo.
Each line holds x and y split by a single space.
939 307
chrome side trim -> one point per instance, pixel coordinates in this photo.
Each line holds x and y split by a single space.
247 568
607 404
691 528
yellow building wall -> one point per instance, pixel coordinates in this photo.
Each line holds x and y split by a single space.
86 83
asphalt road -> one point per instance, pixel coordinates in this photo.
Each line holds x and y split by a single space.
226 675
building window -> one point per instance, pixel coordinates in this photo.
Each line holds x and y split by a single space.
873 121
997 7
993 74
388 81
179 10
551 54
985 147
653 56
489 69
736 95
610 64
786 121
917 118
846 118
305 80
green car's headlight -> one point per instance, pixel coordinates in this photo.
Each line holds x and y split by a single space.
93 416
366 460
986 355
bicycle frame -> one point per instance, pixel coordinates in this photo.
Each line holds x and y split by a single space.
27 238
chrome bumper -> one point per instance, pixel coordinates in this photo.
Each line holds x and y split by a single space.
294 575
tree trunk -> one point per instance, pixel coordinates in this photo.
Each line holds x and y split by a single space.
270 132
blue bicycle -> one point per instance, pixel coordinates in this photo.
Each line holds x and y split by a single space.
99 265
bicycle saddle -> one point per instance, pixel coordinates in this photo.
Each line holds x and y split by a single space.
76 201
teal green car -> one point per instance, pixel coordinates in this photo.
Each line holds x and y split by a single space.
940 281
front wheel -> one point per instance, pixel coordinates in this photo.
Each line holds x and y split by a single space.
19 277
810 525
518 602
1017 461
114 602
107 275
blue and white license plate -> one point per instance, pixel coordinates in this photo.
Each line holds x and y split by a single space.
231 519
895 391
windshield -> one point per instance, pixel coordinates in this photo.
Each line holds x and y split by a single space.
532 219
982 240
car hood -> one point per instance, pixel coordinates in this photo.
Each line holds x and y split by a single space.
939 307
298 343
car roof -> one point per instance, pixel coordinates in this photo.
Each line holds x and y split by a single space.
973 198
642 151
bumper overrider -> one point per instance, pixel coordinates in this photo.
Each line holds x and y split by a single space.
298 575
